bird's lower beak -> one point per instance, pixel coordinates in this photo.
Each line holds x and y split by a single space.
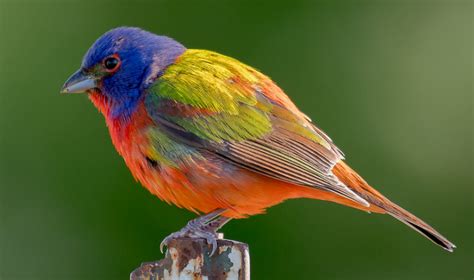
79 82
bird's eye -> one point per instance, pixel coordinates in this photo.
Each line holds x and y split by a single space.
111 63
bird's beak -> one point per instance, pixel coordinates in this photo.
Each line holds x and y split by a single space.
79 82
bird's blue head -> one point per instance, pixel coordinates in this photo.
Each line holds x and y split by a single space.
120 65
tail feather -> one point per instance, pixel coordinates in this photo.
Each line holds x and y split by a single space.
381 204
419 225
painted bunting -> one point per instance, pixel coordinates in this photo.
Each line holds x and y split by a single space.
206 132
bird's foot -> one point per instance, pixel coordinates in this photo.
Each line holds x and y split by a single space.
193 230
204 227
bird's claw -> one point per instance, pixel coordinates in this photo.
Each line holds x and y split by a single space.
194 229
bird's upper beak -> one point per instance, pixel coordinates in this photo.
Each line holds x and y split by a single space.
79 82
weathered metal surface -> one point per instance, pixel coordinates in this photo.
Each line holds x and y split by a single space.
188 259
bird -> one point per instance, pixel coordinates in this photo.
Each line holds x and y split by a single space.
210 134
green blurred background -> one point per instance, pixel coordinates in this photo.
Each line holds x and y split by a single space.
390 81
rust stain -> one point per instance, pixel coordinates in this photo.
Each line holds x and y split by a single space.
190 258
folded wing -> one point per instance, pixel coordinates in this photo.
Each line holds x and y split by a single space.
217 104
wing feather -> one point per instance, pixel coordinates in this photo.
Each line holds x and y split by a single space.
220 105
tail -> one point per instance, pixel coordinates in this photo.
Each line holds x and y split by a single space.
381 204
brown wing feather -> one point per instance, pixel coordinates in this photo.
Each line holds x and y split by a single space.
288 156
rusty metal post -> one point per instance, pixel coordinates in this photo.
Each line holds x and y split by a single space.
188 258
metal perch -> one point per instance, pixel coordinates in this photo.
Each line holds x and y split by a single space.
188 258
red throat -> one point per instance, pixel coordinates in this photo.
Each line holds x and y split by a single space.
100 101
124 133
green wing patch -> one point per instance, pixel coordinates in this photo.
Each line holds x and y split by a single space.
217 103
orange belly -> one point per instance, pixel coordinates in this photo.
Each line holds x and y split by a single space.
205 187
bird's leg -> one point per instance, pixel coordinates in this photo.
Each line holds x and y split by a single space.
217 223
202 227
